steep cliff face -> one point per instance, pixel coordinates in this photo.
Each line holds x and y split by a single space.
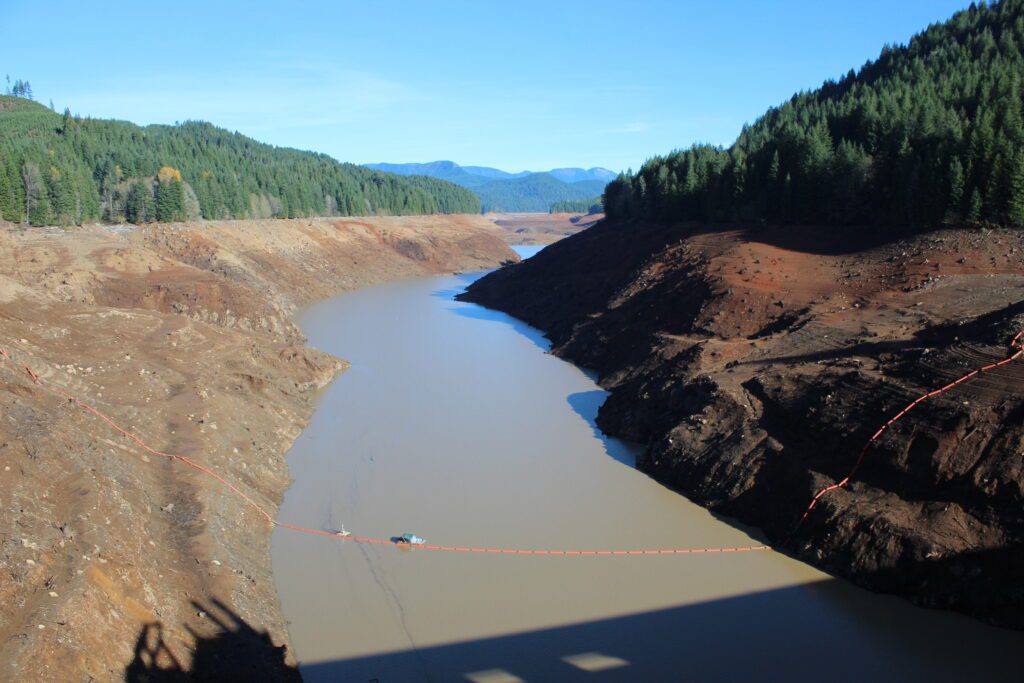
756 364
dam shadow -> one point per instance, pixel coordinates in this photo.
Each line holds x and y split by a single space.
774 634
237 652
717 640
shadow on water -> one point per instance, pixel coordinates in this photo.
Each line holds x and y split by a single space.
750 637
586 404
237 652
466 279
480 313
463 279
766 634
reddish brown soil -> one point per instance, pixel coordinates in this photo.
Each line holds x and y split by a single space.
113 559
755 364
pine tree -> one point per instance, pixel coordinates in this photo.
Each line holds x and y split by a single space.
6 196
17 190
974 207
139 204
170 198
956 190
1015 190
37 203
63 197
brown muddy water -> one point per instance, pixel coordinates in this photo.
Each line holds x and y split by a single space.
454 424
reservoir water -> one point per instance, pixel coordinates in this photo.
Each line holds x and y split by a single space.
454 424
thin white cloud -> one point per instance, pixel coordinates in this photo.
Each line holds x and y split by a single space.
287 94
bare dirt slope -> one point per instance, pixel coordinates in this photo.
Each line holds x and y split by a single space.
112 560
755 365
542 228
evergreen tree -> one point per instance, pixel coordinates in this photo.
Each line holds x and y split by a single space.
17 190
1015 193
956 190
63 197
139 204
974 207
37 202
7 206
170 198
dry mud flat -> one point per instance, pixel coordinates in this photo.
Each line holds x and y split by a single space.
542 228
755 365
114 561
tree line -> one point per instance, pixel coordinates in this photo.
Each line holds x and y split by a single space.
588 206
930 133
19 89
63 169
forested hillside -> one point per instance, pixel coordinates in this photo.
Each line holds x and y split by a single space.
535 192
444 170
62 169
592 205
927 134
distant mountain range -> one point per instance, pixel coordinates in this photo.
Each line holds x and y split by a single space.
503 191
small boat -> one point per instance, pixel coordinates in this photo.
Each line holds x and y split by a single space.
409 539
343 532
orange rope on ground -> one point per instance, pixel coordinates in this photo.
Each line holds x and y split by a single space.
1015 343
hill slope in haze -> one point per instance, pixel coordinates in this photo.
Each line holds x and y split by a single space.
62 170
533 193
525 191
929 133
471 176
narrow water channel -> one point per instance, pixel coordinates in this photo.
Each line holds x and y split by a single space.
454 424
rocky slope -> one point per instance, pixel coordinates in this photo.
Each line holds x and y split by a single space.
115 562
755 364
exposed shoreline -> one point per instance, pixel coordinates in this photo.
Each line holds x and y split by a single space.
184 333
756 363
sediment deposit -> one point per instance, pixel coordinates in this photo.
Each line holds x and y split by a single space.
114 560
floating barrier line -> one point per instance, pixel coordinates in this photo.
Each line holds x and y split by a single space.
36 379
1016 343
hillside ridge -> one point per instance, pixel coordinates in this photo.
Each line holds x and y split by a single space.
526 191
68 170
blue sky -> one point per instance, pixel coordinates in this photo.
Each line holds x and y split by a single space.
516 85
